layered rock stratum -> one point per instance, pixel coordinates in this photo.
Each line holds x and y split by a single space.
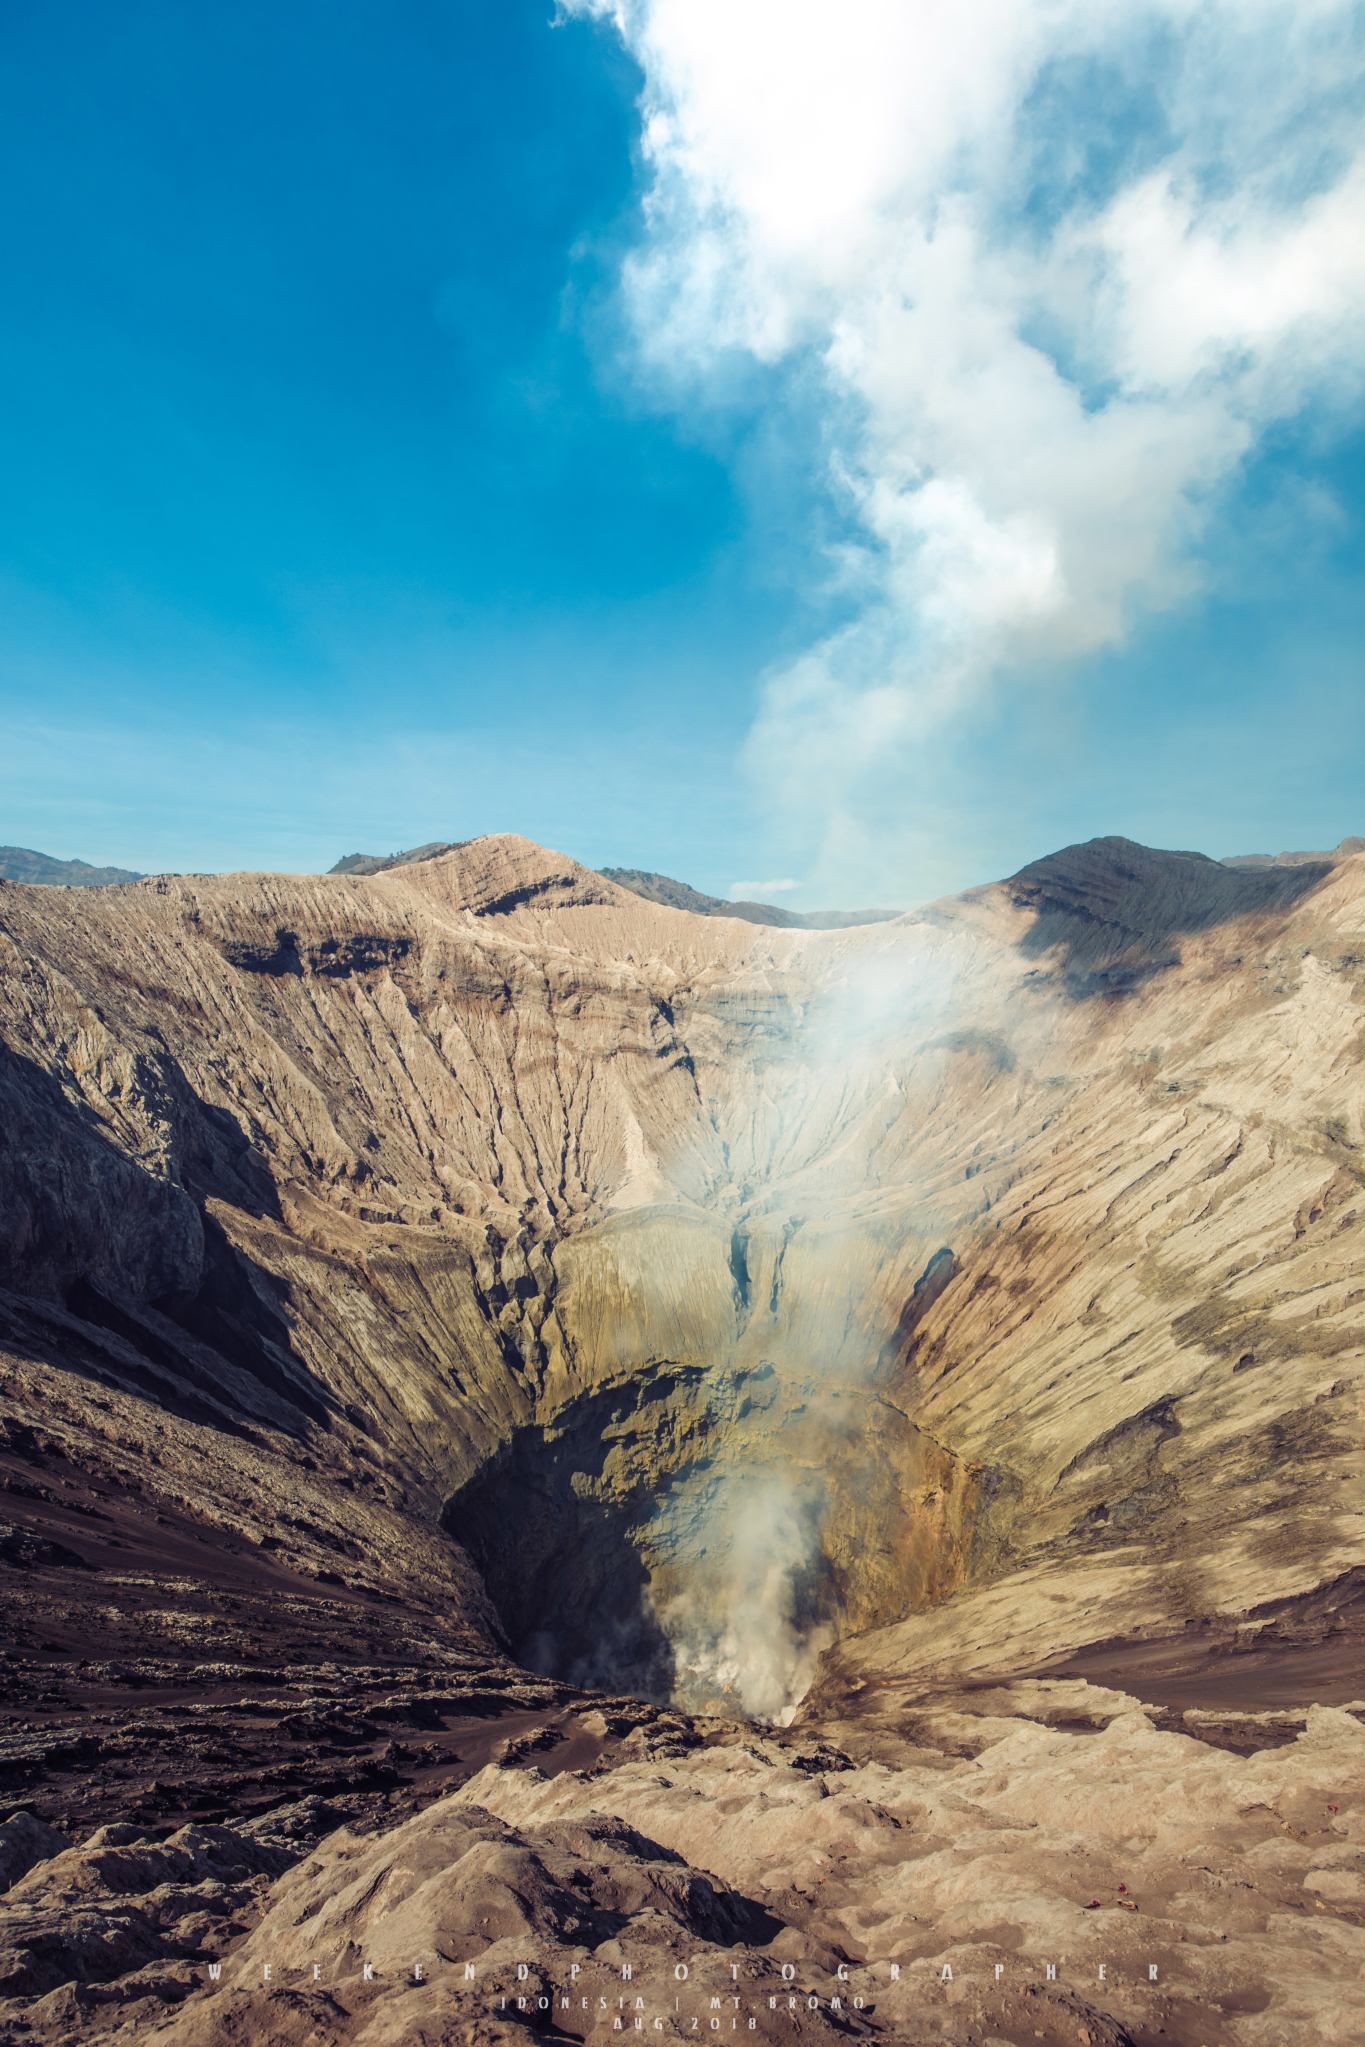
673 1391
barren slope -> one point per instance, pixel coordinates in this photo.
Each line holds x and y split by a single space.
444 1168
973 1292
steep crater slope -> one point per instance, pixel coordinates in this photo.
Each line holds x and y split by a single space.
972 1287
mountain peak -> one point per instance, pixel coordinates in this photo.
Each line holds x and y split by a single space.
22 863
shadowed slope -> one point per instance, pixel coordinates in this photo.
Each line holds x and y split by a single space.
1116 910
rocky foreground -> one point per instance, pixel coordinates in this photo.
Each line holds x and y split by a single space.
541 1431
1037 1861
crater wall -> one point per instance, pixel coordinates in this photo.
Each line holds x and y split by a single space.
965 1290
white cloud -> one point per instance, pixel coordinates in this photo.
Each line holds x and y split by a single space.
1037 375
758 891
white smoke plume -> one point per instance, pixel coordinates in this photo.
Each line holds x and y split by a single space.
1058 267
747 1540
748 1648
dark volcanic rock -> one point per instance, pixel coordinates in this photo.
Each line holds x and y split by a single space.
25 1841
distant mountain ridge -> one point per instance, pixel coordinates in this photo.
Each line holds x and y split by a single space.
21 863
1328 859
378 863
655 888
661 888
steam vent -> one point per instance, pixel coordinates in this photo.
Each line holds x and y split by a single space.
546 1433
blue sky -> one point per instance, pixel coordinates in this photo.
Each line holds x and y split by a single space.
374 466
